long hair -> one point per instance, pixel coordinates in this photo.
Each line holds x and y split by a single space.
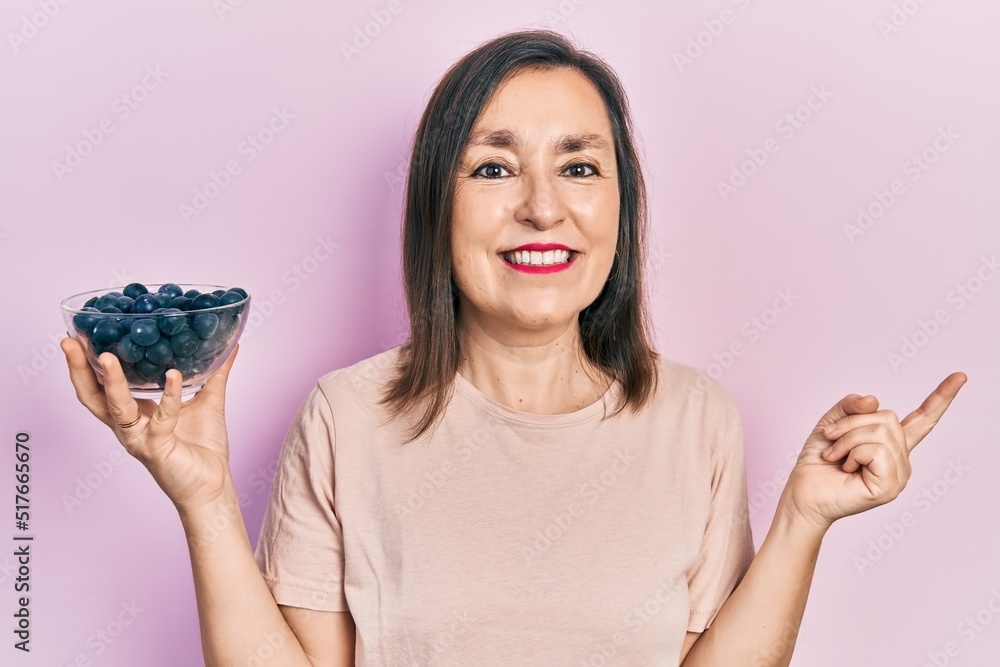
614 329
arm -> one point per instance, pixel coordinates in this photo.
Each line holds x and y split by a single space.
855 459
759 623
185 448
238 616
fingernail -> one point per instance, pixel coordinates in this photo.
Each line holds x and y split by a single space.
830 428
826 452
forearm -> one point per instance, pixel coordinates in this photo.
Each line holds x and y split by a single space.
239 619
759 623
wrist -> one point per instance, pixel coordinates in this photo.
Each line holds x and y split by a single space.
795 524
211 514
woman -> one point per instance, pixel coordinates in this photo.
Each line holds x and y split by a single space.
526 482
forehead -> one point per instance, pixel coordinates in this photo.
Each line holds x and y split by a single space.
544 104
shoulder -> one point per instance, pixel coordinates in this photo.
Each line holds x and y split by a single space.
699 404
694 388
360 383
708 413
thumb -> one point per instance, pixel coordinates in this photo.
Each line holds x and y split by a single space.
852 404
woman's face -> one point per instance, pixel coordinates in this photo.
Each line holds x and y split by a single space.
539 170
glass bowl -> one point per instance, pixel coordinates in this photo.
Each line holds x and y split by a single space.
190 327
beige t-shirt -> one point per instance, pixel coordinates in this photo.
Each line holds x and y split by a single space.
511 538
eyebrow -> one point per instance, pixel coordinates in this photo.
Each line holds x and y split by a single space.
568 143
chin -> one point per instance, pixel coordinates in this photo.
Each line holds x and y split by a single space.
543 319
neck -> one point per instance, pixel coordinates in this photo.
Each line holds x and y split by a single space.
542 372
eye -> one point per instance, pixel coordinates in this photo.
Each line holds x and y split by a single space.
490 170
578 169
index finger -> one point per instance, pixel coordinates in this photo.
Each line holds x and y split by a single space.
84 379
919 423
121 405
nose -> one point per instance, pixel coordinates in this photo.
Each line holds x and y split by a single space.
541 204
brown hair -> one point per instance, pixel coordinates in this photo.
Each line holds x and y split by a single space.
614 329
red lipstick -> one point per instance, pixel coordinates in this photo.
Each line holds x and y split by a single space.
540 247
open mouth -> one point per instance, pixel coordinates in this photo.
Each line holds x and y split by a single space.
538 257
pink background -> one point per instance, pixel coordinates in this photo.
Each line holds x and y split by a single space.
323 198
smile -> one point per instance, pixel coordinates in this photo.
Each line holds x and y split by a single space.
534 261
537 258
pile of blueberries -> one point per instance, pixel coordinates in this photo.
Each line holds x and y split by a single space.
183 330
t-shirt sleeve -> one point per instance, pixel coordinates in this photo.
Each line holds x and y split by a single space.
727 548
300 551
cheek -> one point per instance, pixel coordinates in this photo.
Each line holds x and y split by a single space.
466 259
474 227
599 206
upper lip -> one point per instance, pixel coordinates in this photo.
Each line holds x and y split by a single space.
541 247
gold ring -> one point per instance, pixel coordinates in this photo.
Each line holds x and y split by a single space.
131 423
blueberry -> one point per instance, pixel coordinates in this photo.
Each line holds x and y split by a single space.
125 326
148 369
188 304
203 301
184 365
170 289
210 349
239 290
132 375
204 324
105 301
231 297
160 352
125 303
226 325
191 293
105 333
90 302
177 301
134 290
219 292
112 310
145 331
184 343
171 324
145 303
114 294
128 351
85 321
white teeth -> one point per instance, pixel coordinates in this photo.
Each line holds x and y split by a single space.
537 258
